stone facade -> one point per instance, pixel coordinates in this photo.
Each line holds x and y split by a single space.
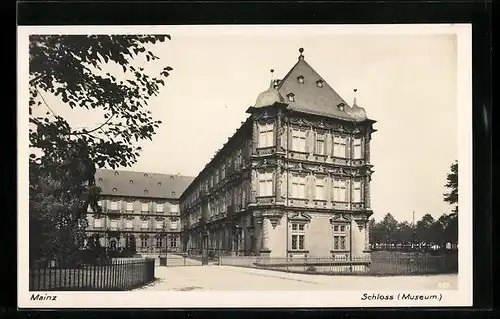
290 182
127 211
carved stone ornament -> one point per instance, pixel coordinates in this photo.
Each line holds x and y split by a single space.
300 217
310 168
340 218
274 221
360 217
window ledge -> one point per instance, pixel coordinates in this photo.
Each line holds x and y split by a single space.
339 251
298 251
264 147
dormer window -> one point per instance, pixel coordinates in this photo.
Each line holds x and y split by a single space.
145 191
159 183
131 181
100 179
291 97
116 173
146 175
300 79
276 84
341 106
319 83
114 189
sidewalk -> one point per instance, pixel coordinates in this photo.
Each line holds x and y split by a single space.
228 278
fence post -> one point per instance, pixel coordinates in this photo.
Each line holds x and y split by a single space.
93 272
40 279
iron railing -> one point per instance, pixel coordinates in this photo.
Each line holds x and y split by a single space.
113 276
379 265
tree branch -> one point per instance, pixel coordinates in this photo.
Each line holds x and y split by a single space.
95 129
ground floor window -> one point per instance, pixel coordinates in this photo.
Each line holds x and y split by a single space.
173 242
298 236
144 242
340 237
298 242
113 244
159 242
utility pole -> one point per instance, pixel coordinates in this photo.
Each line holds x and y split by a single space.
413 229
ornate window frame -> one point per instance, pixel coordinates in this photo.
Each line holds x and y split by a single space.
301 221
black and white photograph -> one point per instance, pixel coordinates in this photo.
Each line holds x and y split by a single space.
244 166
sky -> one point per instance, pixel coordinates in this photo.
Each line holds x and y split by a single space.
406 82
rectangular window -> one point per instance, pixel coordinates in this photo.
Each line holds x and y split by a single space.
238 160
339 191
173 225
294 242
340 236
173 242
356 192
144 224
299 187
145 207
265 184
301 242
299 140
320 144
159 224
298 236
223 171
130 207
113 205
129 224
159 242
319 192
144 242
357 148
266 135
99 203
174 208
159 207
98 223
113 224
339 146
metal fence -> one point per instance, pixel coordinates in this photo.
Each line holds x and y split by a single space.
114 276
377 265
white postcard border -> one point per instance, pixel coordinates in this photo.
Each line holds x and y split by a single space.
248 299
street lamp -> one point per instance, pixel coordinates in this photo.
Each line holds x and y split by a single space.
164 233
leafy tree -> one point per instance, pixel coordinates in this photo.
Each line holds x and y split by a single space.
371 230
404 233
452 184
106 73
389 226
423 228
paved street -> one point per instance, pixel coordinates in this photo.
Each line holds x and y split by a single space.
228 278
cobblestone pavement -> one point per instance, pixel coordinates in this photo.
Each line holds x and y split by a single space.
228 278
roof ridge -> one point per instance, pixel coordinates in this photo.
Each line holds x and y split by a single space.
288 74
140 172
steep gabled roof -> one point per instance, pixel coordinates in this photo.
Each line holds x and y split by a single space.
310 98
133 184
